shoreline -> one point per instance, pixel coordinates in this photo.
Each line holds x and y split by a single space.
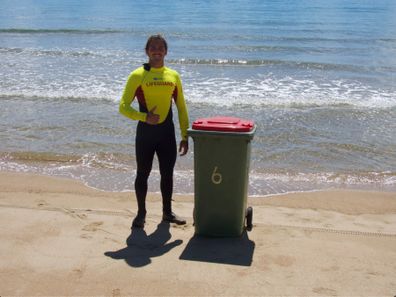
63 238
37 183
260 185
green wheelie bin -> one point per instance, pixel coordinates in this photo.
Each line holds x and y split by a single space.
222 147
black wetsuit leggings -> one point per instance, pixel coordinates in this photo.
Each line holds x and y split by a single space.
155 139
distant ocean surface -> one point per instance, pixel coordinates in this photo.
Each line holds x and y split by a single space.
317 77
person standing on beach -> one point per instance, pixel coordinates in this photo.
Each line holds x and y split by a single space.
154 85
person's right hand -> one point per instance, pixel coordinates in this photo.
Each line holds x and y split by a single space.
152 118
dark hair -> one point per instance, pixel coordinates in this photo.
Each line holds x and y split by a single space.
156 37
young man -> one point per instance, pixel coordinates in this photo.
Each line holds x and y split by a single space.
154 86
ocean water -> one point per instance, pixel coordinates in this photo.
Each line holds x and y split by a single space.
318 78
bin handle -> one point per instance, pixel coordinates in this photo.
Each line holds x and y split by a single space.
224 122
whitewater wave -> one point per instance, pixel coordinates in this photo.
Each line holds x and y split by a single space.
261 92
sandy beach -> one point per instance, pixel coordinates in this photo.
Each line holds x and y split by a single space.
59 237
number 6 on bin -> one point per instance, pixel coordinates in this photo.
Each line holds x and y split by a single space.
216 177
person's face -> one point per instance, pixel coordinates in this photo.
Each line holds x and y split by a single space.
156 51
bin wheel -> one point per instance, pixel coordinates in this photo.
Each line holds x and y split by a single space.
249 218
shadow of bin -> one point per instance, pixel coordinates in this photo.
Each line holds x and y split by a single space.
220 250
222 147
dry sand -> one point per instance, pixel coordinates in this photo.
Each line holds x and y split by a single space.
58 237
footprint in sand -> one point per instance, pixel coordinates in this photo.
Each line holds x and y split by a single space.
93 226
116 292
325 291
86 236
82 216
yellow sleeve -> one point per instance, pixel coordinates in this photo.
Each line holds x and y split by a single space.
182 110
128 96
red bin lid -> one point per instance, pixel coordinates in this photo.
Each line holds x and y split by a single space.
223 124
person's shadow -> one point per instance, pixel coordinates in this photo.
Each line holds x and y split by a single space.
142 247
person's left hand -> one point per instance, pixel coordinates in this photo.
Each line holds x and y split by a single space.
183 147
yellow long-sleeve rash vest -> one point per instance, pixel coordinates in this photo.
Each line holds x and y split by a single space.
155 88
